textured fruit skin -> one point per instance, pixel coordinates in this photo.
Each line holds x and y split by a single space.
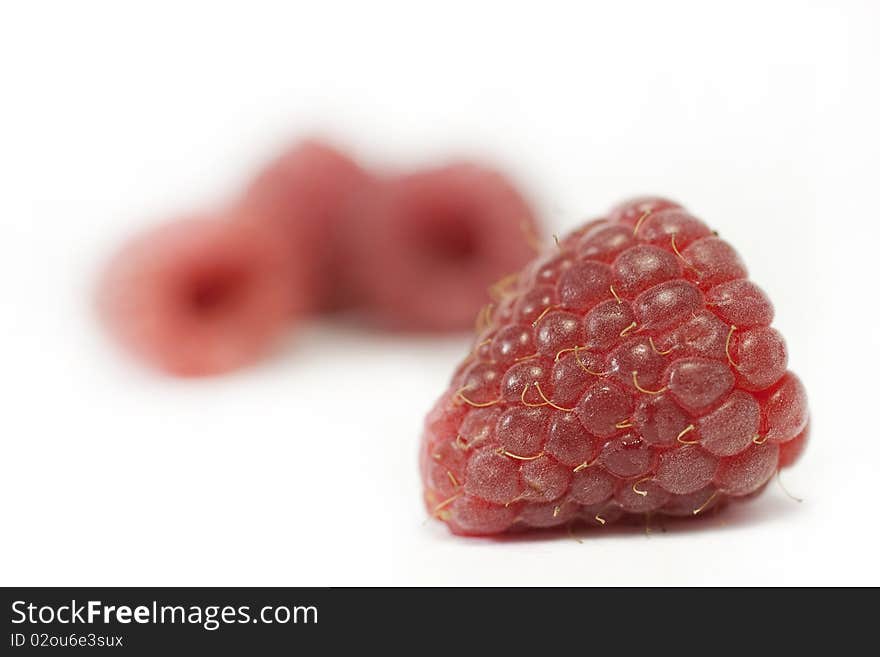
309 196
428 243
629 370
202 295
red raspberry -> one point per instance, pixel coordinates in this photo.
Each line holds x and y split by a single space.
429 243
310 194
202 296
631 370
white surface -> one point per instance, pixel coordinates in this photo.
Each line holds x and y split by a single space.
761 118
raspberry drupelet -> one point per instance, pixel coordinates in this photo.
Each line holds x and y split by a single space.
631 369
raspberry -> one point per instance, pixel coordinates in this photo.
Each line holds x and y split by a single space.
202 296
631 370
310 195
429 243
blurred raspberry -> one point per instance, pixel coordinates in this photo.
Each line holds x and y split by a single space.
428 244
203 295
310 194
636 372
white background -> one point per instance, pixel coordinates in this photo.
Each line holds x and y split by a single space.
761 117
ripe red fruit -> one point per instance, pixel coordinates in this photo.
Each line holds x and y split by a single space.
427 245
202 296
630 370
309 195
